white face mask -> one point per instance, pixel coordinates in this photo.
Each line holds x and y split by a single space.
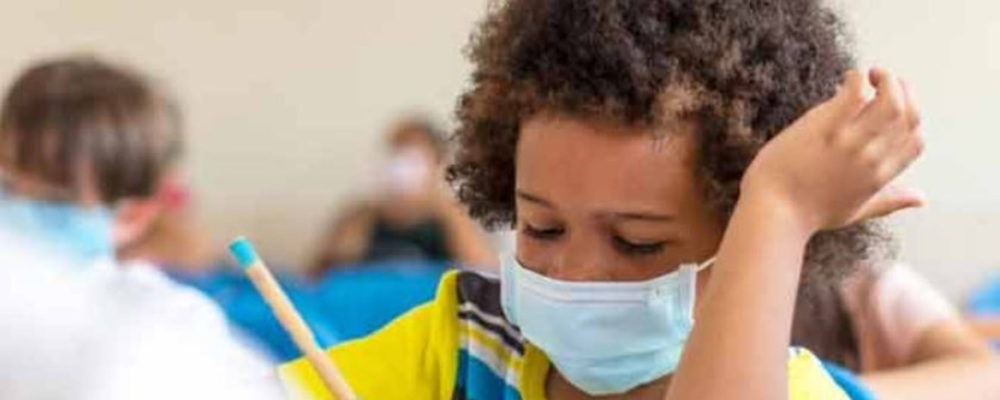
407 172
81 235
604 337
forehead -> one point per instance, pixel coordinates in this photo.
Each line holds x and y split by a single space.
588 164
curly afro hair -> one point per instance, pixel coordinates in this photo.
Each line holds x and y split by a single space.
739 70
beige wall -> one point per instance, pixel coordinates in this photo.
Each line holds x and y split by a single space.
286 100
951 52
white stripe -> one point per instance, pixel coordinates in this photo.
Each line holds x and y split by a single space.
493 319
492 360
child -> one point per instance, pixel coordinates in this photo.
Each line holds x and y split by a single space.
412 218
83 146
663 162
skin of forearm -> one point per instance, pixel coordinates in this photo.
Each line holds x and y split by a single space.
739 345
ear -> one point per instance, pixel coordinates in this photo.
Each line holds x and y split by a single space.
133 218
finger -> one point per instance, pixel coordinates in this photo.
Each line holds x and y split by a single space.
879 76
906 143
888 106
850 97
899 159
912 108
915 146
840 110
889 200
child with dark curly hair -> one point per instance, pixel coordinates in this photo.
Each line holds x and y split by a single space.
663 162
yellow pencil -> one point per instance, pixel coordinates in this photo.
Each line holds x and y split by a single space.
289 318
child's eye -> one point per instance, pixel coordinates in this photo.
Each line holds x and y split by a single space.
638 249
542 233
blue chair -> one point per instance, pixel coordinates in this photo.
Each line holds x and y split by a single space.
985 301
361 299
246 309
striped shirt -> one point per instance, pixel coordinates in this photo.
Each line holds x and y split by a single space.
459 346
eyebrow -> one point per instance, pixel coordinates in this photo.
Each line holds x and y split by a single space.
533 199
630 215
643 216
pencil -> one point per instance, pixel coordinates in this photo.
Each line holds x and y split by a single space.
289 318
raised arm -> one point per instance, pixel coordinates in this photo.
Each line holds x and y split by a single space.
829 169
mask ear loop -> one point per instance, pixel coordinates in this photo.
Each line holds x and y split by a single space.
706 264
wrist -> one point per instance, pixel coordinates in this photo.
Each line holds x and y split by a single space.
774 209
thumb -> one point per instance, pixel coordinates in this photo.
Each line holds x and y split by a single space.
888 201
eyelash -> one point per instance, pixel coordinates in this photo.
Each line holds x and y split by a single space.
638 249
542 234
620 244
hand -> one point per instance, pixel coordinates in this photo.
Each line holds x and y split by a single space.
832 167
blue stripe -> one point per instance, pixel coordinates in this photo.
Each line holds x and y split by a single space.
849 382
478 382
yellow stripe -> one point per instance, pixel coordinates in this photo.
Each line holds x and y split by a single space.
415 357
808 380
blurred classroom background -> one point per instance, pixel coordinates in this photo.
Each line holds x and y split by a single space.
287 106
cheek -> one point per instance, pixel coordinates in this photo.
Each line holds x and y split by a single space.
568 257
629 269
534 254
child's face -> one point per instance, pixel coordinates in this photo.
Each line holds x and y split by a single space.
600 202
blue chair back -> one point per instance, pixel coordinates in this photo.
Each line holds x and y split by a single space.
361 299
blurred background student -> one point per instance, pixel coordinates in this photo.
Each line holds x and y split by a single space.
84 146
87 335
179 245
176 240
412 217
904 339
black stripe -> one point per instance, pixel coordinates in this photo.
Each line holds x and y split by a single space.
483 292
480 290
505 336
459 393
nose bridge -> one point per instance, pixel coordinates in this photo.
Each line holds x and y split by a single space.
582 259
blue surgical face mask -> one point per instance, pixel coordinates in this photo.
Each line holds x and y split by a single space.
604 337
82 235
